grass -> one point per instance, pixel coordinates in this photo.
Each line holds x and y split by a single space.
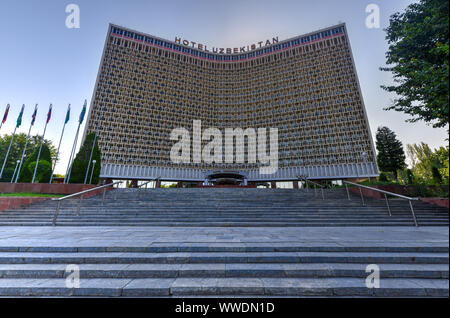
31 195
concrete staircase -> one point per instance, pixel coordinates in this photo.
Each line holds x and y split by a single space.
226 207
192 260
218 269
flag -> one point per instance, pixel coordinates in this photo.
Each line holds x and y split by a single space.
83 112
34 116
49 115
19 119
67 115
5 116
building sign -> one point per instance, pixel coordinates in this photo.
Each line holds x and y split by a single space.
228 50
218 54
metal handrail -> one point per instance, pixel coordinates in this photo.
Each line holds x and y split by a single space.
315 183
145 183
81 193
386 193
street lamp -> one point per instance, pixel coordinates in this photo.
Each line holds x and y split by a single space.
17 164
92 172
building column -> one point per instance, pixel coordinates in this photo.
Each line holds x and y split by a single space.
158 184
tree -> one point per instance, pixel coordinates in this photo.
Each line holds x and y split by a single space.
391 156
410 176
418 58
26 173
80 164
429 166
382 177
437 178
7 175
17 149
43 171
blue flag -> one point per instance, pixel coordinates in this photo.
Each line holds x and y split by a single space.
83 112
67 115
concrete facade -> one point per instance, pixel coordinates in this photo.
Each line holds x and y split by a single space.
306 87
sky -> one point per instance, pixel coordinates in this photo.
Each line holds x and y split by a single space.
42 61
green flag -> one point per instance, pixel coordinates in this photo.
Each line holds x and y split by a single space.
19 119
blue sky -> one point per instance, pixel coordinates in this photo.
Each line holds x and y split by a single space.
42 61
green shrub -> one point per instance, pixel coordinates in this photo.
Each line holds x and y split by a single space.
43 172
383 177
437 177
26 174
81 162
426 191
7 175
410 176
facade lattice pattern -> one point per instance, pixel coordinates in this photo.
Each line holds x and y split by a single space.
307 89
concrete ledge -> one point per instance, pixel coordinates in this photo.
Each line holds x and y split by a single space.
378 195
56 188
437 201
394 188
8 203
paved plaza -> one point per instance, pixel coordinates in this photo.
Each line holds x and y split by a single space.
105 236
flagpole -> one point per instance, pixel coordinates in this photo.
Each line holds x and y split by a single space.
7 153
69 168
90 158
19 122
60 139
72 155
17 163
57 153
70 158
5 116
25 148
40 147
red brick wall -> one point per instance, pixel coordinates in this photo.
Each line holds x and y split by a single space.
437 201
7 203
6 187
398 189
14 202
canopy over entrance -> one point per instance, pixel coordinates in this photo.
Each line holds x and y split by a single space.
225 177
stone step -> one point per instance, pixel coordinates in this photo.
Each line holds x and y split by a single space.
231 211
223 208
307 270
202 207
224 224
230 257
212 216
226 287
234 247
280 215
247 225
301 222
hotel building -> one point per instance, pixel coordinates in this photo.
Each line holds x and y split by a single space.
306 87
